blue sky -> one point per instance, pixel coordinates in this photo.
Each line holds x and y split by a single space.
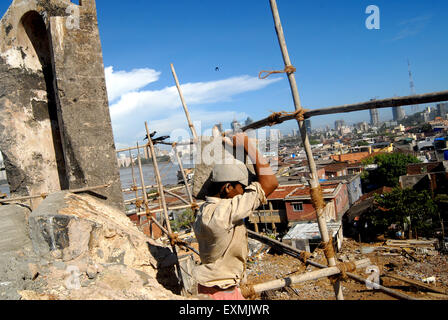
338 59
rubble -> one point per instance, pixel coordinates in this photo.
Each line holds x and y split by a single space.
272 266
80 248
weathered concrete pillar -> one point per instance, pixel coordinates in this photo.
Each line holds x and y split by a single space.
55 125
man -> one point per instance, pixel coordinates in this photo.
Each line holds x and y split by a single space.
219 226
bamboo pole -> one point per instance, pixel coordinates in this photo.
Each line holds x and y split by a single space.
314 183
176 196
150 147
134 181
150 194
168 235
164 143
169 208
45 195
375 104
184 104
309 276
142 180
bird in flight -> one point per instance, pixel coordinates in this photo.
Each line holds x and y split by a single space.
217 69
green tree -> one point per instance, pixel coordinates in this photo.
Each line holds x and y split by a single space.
390 167
404 206
183 221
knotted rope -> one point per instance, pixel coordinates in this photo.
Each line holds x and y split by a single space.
304 256
248 292
317 197
276 117
344 267
288 69
194 206
138 203
328 249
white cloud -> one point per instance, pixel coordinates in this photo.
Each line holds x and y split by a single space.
131 105
121 82
412 27
195 93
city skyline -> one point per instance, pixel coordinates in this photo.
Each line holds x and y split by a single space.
218 52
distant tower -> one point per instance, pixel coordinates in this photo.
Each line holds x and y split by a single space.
308 125
249 121
398 113
374 116
338 124
415 108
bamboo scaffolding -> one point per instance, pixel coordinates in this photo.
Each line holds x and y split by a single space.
188 143
298 254
150 194
169 235
314 183
169 208
375 104
151 150
150 147
45 195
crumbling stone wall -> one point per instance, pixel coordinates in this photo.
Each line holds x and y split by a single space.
55 126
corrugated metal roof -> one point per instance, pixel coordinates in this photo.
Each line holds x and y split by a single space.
310 231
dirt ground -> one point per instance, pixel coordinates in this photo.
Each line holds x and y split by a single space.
274 266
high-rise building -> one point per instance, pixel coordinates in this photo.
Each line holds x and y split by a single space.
374 117
248 121
442 110
308 125
338 124
398 113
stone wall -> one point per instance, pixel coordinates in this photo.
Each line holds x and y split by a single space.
55 126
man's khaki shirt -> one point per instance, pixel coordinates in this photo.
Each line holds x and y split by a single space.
222 237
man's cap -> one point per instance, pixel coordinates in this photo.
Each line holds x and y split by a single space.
235 172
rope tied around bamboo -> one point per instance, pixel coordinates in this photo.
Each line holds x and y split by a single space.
194 206
138 203
317 198
278 117
344 267
304 256
328 249
248 292
288 69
